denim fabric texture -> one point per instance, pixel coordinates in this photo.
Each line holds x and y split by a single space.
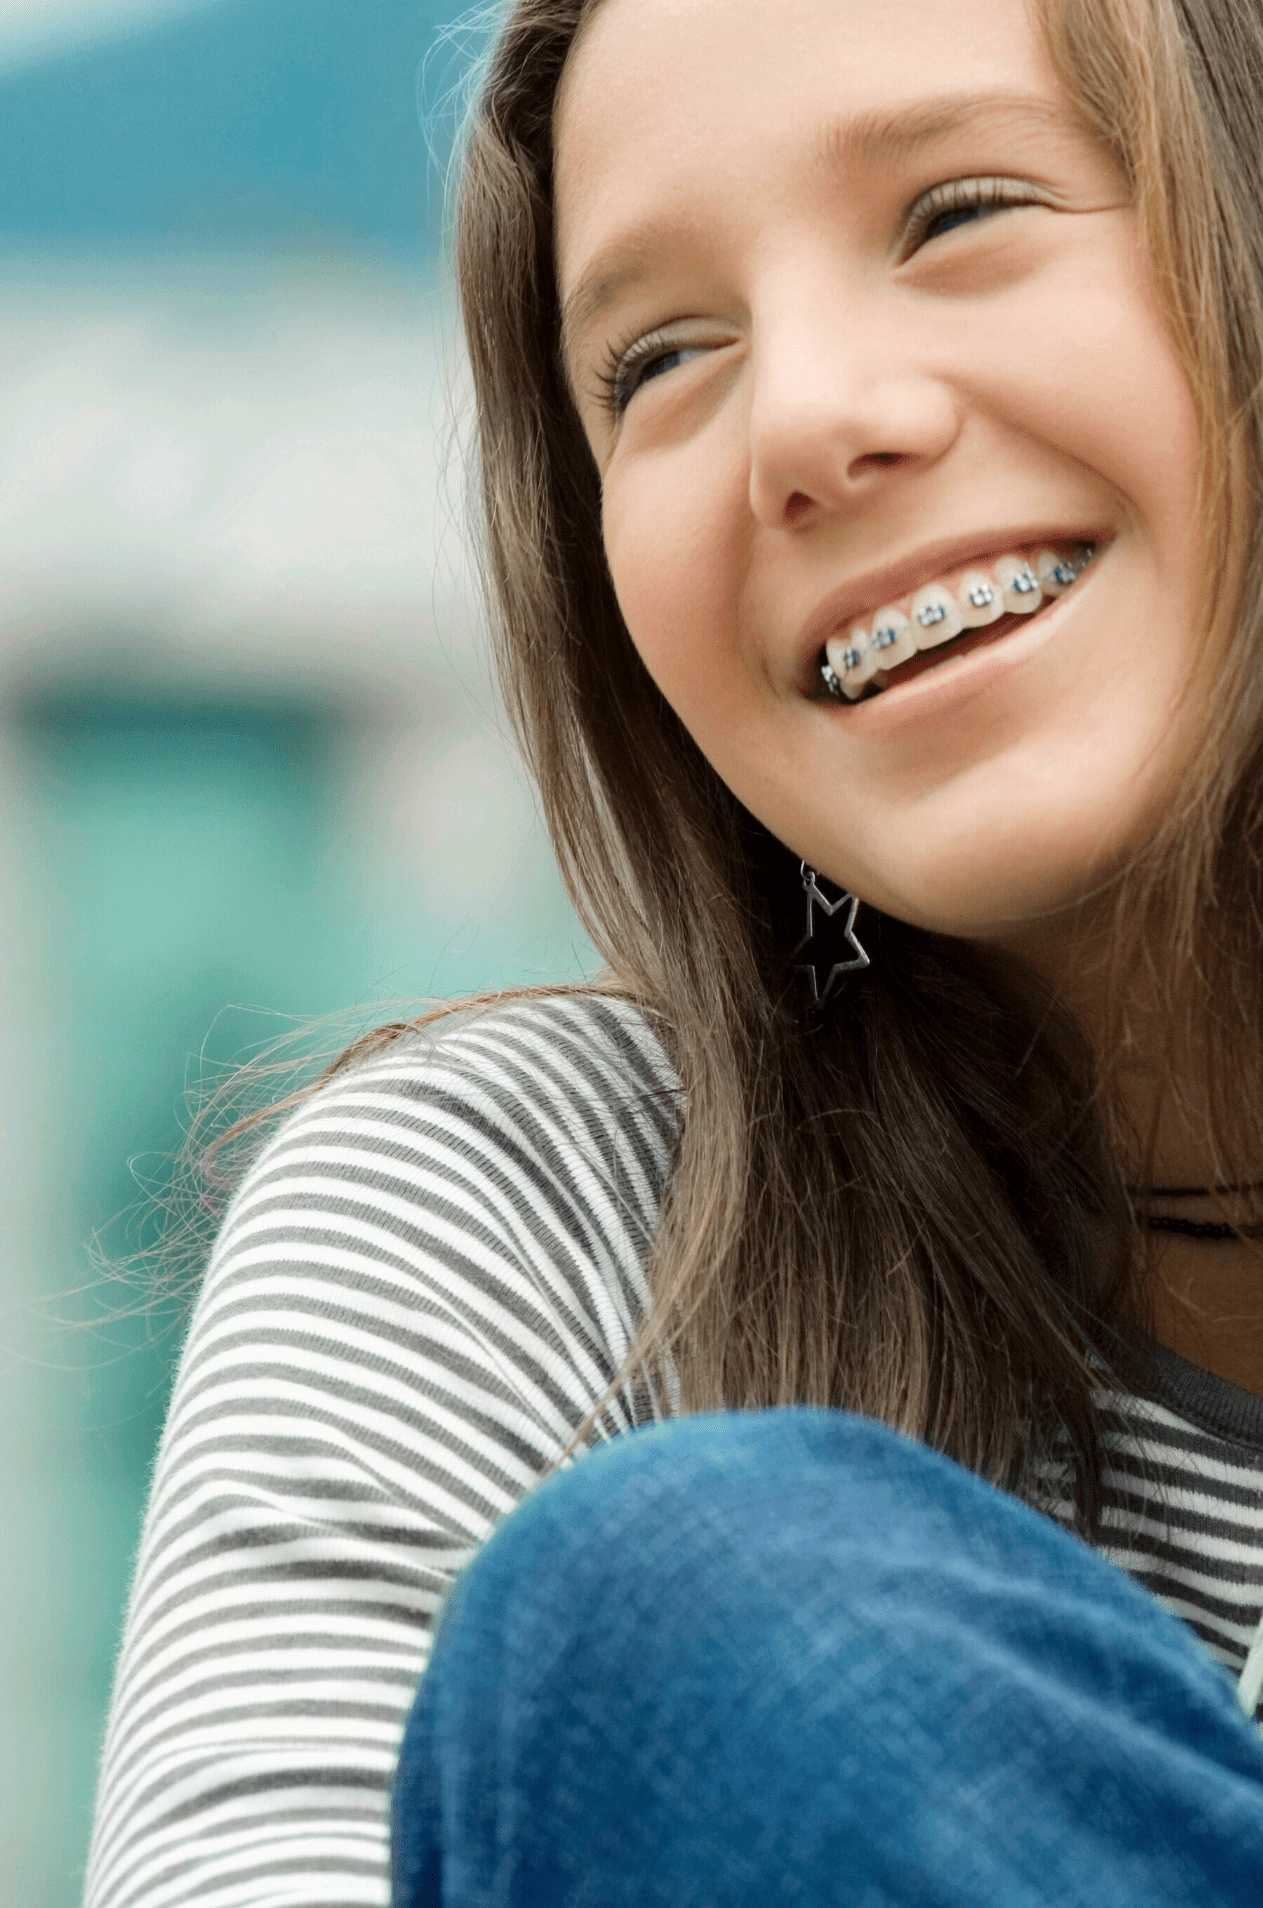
791 1657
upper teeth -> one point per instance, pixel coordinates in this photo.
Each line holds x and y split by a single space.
1015 586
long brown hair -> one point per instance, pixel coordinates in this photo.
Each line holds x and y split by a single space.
913 1206
906 1208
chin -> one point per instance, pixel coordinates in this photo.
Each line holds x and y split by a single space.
1026 906
1020 867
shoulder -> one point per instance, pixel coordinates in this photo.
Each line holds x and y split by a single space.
493 1181
560 1089
557 1055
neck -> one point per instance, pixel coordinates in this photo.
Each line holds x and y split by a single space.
1165 1060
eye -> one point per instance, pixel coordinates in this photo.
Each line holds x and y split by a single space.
962 202
629 367
963 215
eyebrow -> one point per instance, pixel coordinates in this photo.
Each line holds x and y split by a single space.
885 136
890 134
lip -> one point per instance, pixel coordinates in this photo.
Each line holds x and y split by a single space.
868 590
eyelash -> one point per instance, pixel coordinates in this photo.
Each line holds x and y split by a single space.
615 375
621 361
962 195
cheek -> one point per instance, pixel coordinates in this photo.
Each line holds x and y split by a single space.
1092 373
673 530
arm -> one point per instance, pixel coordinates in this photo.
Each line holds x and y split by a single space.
422 1286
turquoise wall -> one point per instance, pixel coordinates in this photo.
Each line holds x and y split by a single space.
197 880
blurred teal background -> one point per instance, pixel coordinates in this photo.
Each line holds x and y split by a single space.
250 757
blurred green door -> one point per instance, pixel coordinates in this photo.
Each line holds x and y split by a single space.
179 862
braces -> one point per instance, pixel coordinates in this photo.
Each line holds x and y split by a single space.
1063 573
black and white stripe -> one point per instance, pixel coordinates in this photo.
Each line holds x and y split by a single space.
425 1282
1184 1504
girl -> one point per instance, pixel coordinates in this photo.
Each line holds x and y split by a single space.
869 405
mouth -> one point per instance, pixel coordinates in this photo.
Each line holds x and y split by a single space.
968 608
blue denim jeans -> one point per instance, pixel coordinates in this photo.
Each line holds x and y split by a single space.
791 1657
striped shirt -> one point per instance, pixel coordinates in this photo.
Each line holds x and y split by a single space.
424 1283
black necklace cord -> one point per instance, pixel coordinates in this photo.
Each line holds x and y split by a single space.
1192 1192
1207 1229
1212 1231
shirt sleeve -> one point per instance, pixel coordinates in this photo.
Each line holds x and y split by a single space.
424 1283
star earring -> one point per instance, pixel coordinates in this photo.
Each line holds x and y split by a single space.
829 947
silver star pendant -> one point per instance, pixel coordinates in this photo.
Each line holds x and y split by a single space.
830 944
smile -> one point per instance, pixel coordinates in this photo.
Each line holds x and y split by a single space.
947 619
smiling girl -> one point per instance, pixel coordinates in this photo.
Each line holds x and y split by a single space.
869 396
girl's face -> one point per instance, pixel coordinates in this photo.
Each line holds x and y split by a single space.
854 308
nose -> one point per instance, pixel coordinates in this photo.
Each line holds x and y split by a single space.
845 401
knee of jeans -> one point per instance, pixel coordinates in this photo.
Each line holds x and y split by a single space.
674 1498
674 1543
648 1517
661 1492
713 1456
658 1472
612 1507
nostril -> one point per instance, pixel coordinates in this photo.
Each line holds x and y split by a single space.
796 505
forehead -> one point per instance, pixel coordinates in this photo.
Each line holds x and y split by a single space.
665 103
